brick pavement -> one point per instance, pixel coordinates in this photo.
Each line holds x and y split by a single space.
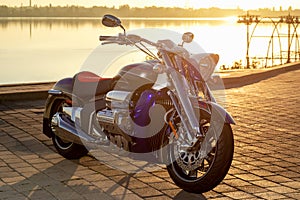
266 162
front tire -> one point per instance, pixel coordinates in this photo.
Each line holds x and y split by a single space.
65 148
212 169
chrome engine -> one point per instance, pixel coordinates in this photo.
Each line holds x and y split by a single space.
116 117
116 120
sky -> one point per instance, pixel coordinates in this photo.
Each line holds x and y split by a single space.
243 4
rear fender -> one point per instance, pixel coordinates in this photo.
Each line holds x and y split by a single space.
62 90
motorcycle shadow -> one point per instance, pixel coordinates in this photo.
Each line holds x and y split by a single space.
56 182
182 195
63 181
131 182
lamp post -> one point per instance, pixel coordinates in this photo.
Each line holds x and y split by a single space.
248 20
289 20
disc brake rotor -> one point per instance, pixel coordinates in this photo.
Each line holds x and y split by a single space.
188 160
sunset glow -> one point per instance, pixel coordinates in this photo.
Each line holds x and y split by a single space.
243 4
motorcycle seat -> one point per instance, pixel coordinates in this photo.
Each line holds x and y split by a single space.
87 85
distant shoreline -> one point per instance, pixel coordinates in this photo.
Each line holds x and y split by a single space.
124 18
126 11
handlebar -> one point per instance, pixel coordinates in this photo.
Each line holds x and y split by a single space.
108 38
149 42
129 39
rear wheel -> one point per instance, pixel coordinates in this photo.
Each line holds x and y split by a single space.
195 173
65 148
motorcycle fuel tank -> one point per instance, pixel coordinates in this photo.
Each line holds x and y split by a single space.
136 75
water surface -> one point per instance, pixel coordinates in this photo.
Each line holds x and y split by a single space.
48 49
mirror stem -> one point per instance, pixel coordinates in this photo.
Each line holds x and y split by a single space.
123 29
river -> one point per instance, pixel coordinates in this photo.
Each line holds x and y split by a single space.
48 49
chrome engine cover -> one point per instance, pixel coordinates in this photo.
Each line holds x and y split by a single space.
116 117
118 99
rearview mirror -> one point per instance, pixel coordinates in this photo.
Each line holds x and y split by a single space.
187 37
111 21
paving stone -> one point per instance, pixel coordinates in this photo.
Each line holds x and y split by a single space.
130 196
117 190
40 194
150 179
278 179
26 186
97 196
239 195
252 189
12 180
163 185
282 189
270 195
237 182
147 192
293 195
11 195
293 184
104 184
248 177
158 198
224 188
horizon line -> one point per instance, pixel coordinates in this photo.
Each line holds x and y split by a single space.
113 7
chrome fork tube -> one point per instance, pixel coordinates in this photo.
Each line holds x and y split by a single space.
185 125
185 101
182 94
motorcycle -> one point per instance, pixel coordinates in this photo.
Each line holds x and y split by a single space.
161 107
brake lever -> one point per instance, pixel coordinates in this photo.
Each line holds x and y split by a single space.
104 43
115 42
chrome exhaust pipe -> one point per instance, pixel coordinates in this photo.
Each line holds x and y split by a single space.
66 129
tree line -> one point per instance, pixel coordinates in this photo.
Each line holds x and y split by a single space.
127 11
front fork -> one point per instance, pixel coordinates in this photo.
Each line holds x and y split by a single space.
185 108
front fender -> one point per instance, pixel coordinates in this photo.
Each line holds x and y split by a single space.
212 107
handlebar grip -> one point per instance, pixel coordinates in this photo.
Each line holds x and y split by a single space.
104 38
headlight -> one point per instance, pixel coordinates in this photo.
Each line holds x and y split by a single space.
207 63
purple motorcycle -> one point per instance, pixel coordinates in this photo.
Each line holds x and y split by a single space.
160 110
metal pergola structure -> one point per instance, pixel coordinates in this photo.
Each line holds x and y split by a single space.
285 55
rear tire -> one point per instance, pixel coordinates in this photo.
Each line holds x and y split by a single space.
67 149
217 166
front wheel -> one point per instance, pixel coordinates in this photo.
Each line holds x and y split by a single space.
199 176
67 149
